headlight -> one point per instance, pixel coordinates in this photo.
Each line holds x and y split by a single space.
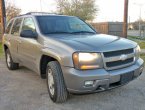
86 61
137 51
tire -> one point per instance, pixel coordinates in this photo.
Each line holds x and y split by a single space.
10 64
55 83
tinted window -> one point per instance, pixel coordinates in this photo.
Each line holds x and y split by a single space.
63 24
28 24
16 26
9 26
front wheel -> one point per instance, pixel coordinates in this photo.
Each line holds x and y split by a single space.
10 64
55 83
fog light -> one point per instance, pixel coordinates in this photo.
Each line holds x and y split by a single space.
89 83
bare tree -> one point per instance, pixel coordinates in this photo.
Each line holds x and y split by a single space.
136 24
85 9
12 11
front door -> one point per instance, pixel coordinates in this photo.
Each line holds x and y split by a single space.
29 48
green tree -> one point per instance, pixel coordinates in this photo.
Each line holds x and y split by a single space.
85 9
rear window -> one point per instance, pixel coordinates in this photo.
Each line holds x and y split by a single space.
9 27
16 26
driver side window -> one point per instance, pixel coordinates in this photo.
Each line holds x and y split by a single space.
28 24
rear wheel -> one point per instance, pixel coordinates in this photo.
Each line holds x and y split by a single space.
10 64
55 83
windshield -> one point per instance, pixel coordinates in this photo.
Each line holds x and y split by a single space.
63 24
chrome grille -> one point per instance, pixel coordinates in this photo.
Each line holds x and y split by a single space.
118 59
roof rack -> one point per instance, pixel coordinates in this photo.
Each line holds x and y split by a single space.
38 13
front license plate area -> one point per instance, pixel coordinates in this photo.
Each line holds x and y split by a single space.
126 77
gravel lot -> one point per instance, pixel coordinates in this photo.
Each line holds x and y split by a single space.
25 90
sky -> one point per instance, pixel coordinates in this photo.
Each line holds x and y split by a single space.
109 10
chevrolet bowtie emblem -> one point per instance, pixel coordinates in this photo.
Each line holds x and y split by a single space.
123 57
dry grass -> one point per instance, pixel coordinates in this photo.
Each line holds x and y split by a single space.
141 42
142 56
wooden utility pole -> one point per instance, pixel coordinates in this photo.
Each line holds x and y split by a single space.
2 17
125 24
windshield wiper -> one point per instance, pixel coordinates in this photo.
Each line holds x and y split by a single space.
78 32
83 32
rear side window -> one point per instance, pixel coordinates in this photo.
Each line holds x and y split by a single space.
16 26
28 24
9 27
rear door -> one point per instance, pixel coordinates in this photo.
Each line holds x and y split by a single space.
29 48
13 38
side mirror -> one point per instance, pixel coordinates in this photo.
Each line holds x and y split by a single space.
28 34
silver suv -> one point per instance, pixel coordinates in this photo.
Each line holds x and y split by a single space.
70 54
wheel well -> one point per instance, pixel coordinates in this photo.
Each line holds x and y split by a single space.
5 47
43 64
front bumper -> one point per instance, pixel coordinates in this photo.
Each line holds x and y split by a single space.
103 80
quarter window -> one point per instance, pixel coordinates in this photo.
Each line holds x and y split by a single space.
9 27
16 26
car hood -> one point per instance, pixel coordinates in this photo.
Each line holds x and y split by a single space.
94 43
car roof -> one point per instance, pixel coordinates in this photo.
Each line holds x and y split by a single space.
41 14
